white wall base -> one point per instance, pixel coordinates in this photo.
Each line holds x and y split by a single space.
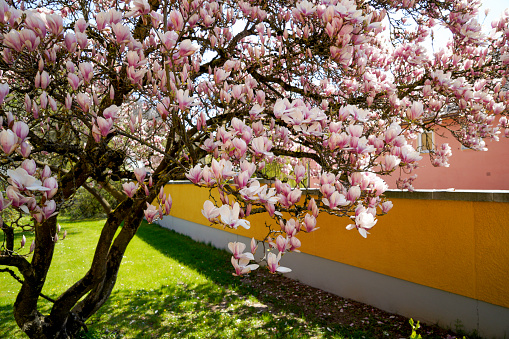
391 294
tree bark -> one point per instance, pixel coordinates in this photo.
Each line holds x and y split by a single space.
26 314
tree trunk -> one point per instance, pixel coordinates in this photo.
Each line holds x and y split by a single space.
26 314
68 314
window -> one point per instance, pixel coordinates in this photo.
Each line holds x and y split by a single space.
425 142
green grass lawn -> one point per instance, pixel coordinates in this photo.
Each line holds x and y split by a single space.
172 287
168 287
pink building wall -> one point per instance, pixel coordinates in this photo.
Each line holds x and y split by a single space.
468 170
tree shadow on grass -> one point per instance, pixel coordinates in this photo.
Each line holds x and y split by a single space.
209 261
321 310
223 307
181 311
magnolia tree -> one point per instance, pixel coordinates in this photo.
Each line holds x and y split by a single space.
103 92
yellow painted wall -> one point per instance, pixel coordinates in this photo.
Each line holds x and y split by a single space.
456 246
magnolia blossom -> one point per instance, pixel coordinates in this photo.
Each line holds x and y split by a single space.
24 181
309 223
4 203
336 199
140 174
237 248
242 266
273 263
151 213
130 188
363 222
230 216
210 211
8 141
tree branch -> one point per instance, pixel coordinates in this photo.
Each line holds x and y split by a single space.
104 203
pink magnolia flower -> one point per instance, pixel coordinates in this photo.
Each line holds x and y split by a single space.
248 166
46 172
184 100
240 147
250 193
44 99
208 177
13 40
386 206
242 180
138 7
4 203
261 146
415 111
130 188
242 266
54 23
195 174
336 199
74 81
70 42
363 222
25 149
168 202
230 216
151 213
291 227
409 155
177 20
354 192
313 207
29 166
390 162
294 196
210 211
68 101
273 263
80 25
281 243
156 19
187 48
102 19
111 112
169 39
4 90
309 223
306 8
30 40
254 246
8 141
237 248
16 199
223 169
24 181
52 184
140 174
267 196
105 126
135 76
20 129
48 209
86 70
122 33
84 101
294 244
300 173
